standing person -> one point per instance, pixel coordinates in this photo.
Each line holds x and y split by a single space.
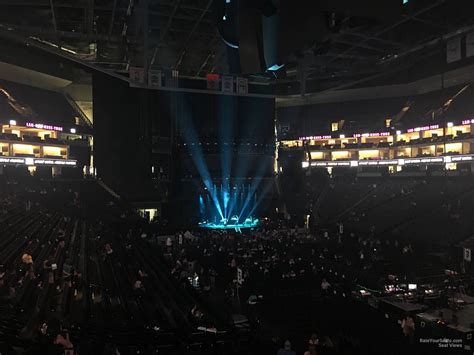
62 339
68 272
408 329
169 244
286 350
313 342
341 228
48 269
325 286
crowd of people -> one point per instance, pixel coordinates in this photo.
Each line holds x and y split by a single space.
78 281
239 270
349 248
78 276
278 260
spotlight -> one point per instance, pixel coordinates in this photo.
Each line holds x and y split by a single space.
450 124
73 130
12 123
399 132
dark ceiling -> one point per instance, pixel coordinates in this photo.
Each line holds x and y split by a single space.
116 34
111 33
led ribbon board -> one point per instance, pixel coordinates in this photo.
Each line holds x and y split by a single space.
37 161
392 162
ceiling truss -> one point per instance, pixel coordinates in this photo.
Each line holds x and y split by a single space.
181 34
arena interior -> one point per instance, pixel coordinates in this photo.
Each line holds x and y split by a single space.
219 177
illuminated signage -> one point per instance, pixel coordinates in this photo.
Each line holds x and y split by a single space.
392 162
328 163
377 162
44 126
55 162
357 135
12 160
424 128
462 158
313 138
376 134
424 160
386 134
39 161
339 163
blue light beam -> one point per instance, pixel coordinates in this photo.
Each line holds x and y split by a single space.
197 156
254 186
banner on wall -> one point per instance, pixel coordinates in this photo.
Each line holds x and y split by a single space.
137 75
242 86
212 81
227 84
470 44
154 79
453 50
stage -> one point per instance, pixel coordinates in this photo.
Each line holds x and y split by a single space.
230 225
